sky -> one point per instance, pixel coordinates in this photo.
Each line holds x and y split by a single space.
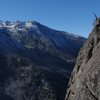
74 16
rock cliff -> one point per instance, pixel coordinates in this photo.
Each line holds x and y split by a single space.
84 83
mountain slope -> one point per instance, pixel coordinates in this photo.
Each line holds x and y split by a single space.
85 79
35 61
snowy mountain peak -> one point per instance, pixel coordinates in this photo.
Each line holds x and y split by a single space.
18 24
31 24
35 61
34 25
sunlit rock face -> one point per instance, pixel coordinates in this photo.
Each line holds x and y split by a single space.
84 83
35 61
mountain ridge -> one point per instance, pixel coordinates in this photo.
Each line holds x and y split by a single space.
10 24
35 61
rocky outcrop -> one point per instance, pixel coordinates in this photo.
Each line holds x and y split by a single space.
84 83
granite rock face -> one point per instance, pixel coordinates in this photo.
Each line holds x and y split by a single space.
84 83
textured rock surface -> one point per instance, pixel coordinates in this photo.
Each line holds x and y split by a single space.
84 83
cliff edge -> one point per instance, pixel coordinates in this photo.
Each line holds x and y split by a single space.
84 83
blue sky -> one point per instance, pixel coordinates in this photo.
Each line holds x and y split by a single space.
75 16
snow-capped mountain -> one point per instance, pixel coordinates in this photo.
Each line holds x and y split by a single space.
36 61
